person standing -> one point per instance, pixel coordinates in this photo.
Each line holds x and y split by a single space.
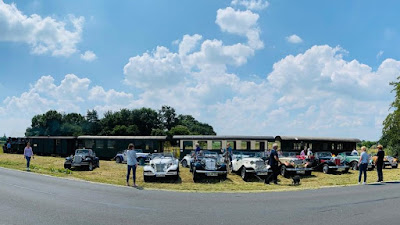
28 153
354 152
229 151
9 147
309 153
379 162
132 164
273 162
303 152
363 164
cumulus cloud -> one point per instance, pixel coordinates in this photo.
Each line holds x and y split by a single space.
251 4
88 56
242 23
294 39
44 35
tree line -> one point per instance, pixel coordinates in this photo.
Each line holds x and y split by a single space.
126 122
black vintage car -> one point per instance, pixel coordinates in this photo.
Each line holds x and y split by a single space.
327 164
84 158
208 164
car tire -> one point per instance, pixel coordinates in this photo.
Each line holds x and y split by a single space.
196 176
325 169
184 163
395 167
90 167
308 173
146 178
224 177
346 170
118 160
354 165
244 174
67 166
284 173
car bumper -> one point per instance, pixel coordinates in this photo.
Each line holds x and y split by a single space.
339 167
259 172
299 169
219 172
78 164
160 174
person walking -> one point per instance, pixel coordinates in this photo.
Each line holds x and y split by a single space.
229 150
363 165
379 162
273 162
28 153
132 164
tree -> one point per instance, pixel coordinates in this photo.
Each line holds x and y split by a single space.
194 126
391 125
179 130
167 117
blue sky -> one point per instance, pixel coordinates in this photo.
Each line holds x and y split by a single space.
318 68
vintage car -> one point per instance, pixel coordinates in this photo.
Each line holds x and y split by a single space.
352 160
208 164
388 161
140 155
83 158
161 165
325 162
187 159
291 163
249 164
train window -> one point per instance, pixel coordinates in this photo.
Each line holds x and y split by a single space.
340 146
89 143
99 143
325 147
188 145
333 146
296 146
245 145
110 144
203 144
216 145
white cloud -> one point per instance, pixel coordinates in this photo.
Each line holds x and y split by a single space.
88 56
44 35
251 4
294 39
242 23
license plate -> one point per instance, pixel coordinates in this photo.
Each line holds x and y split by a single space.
212 174
262 173
160 175
301 172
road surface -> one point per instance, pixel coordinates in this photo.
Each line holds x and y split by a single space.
28 198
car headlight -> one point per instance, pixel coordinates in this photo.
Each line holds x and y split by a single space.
252 162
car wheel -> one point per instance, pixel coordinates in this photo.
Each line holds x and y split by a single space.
354 165
196 176
90 166
346 170
394 167
325 169
67 166
118 160
141 161
146 178
184 163
244 174
308 173
284 173
224 177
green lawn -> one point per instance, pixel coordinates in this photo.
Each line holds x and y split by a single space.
112 173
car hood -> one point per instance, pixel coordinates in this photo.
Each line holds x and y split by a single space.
161 161
255 159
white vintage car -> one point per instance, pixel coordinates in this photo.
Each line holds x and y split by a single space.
249 164
187 159
161 165
140 155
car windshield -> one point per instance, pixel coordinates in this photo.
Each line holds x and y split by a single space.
82 152
289 154
250 154
324 154
210 154
347 153
161 155
139 150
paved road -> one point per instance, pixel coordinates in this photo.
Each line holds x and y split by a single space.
28 198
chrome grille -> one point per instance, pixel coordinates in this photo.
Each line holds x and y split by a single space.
160 167
260 165
77 159
210 165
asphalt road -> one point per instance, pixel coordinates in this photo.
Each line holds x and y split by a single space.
28 198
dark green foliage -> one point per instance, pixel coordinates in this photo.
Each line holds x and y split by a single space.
367 144
391 125
136 122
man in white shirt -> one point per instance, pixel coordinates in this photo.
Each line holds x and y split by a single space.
132 164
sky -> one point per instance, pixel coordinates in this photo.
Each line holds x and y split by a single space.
246 67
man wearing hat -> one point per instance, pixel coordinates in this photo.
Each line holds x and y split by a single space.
273 162
379 162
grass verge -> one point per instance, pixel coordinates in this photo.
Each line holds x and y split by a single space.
112 173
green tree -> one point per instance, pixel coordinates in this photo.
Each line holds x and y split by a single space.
391 125
167 117
195 127
179 130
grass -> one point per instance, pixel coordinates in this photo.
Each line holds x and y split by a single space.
112 173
